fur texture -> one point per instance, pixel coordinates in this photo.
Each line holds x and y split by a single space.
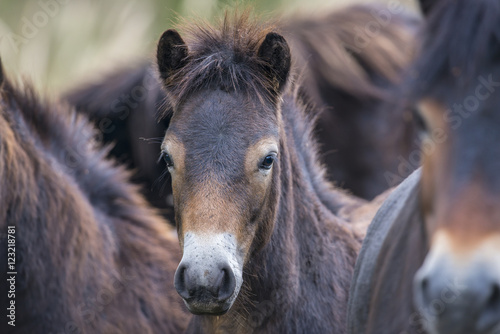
91 256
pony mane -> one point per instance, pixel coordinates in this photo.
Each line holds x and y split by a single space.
68 141
222 55
81 222
457 53
332 49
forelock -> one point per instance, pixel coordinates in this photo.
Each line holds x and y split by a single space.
222 56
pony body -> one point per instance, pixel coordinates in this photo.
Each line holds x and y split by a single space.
91 256
269 245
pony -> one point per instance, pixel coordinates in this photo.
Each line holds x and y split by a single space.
90 255
429 263
351 60
124 104
268 243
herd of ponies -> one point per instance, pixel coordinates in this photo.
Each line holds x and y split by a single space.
264 181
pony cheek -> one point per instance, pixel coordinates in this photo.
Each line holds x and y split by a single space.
265 224
262 216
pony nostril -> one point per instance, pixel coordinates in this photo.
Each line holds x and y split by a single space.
422 291
424 283
226 283
494 300
490 314
424 286
180 282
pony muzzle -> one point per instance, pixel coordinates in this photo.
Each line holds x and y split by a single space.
209 275
459 293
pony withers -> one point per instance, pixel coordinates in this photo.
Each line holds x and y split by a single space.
91 256
430 260
268 244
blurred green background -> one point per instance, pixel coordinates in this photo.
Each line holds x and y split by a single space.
60 43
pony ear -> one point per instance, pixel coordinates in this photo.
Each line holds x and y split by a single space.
171 54
275 52
426 6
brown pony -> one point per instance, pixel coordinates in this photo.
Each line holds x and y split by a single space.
430 262
124 106
90 255
363 135
268 244
350 61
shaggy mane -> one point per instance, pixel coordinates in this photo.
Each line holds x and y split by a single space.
336 54
223 55
60 134
453 55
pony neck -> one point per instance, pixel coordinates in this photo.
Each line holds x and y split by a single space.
299 119
307 206
307 265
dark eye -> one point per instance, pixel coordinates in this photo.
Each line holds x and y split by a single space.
168 159
420 122
268 161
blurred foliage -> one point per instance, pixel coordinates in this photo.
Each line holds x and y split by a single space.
59 43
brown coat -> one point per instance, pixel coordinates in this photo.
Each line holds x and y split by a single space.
91 256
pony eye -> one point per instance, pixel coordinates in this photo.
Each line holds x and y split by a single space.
168 159
268 161
420 122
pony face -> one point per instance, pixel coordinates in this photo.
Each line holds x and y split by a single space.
223 160
457 288
460 193
222 149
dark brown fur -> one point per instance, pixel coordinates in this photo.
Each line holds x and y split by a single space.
91 256
350 61
399 268
123 106
299 265
351 91
457 194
